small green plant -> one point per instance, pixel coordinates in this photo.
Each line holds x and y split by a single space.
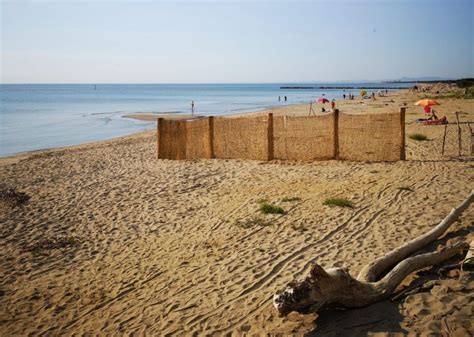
12 197
290 199
418 136
267 208
405 188
262 200
340 202
300 228
36 295
46 245
249 223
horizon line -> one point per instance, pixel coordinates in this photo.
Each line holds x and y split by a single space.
411 79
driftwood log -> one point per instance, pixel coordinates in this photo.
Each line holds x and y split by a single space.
335 287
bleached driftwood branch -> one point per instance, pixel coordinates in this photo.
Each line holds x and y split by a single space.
376 281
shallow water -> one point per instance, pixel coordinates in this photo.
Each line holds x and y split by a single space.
39 116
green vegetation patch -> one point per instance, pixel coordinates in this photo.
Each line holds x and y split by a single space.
339 202
300 228
13 198
267 208
249 223
55 243
290 199
406 188
418 136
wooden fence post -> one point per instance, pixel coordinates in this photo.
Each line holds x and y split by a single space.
270 153
472 138
211 137
459 134
159 133
444 138
402 134
336 134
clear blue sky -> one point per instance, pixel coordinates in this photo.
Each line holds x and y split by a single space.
242 41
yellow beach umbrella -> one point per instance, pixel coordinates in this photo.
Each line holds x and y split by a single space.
363 93
427 102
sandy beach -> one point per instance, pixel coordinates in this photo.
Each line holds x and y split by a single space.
115 242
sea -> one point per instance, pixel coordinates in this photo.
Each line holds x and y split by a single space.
43 116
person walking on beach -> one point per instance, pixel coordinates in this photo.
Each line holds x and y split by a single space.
286 98
333 105
192 107
344 96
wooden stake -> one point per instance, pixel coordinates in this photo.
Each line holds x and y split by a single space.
336 134
159 139
472 138
459 134
311 109
402 134
444 138
211 137
270 137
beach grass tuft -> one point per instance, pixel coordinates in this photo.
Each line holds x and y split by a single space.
249 223
267 208
406 188
55 243
339 202
12 197
300 228
418 136
290 199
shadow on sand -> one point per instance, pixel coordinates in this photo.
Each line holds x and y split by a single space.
379 317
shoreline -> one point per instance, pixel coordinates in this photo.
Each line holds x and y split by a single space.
149 117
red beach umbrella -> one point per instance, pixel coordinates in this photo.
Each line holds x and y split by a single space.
427 102
323 100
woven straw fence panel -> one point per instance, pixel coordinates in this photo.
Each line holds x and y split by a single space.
172 140
241 138
304 137
198 139
370 137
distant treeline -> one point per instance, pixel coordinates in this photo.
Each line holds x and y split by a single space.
461 83
339 88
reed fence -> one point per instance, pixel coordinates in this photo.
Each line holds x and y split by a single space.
335 135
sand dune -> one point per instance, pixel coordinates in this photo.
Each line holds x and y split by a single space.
114 241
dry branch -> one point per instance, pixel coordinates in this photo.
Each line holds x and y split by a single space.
374 269
335 287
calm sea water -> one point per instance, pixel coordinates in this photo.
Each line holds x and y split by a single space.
39 116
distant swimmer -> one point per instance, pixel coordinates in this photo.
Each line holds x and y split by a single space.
192 107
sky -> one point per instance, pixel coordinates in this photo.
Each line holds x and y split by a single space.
234 41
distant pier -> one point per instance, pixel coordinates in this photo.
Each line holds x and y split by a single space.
339 88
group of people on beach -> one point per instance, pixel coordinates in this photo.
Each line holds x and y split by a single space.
284 97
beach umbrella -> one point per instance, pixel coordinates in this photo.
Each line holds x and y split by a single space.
323 100
363 93
427 102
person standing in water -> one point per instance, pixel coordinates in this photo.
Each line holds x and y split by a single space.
286 98
279 98
192 107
